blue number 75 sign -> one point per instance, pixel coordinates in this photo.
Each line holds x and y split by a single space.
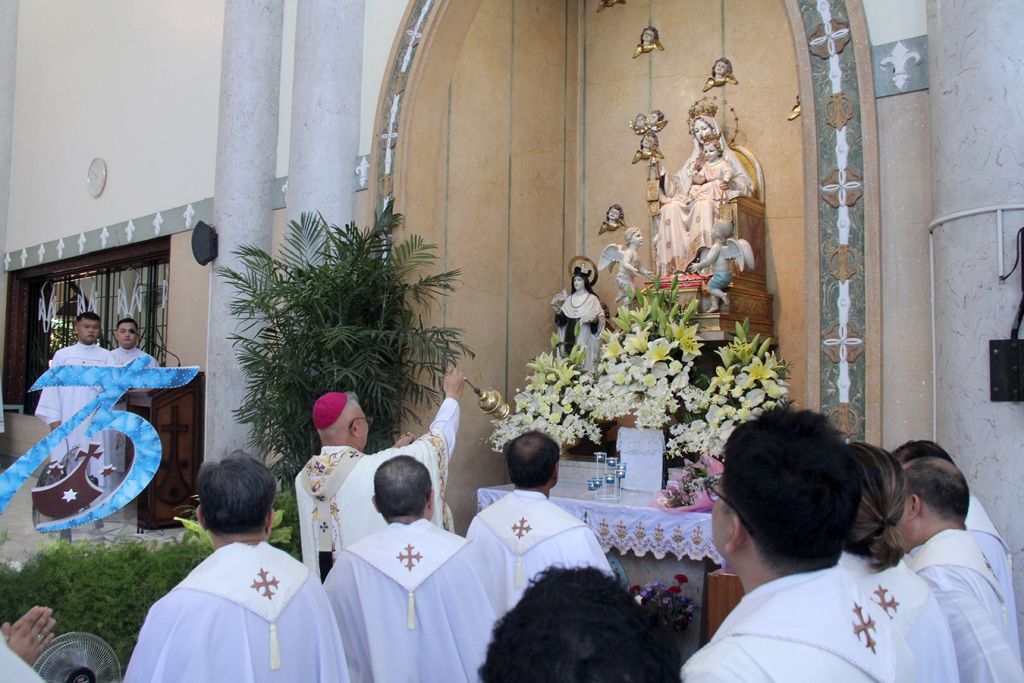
112 383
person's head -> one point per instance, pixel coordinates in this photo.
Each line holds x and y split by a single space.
614 214
634 237
721 68
236 499
875 533
402 490
656 117
649 141
703 126
532 460
87 327
723 228
912 450
576 626
340 421
580 281
640 121
789 493
937 499
712 150
127 333
649 35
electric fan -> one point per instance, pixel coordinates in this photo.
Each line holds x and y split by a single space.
78 658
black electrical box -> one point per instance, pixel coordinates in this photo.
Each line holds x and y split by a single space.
1006 360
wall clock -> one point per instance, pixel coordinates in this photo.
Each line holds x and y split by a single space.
96 179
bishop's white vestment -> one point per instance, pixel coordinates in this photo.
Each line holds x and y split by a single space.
999 559
412 606
334 491
811 627
971 600
523 534
247 613
59 404
906 599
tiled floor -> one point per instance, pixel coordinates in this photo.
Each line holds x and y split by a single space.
21 540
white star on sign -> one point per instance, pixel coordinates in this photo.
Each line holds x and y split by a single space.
69 495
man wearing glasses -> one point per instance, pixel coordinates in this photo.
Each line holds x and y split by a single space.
783 508
334 490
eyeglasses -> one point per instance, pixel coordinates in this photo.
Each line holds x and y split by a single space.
715 493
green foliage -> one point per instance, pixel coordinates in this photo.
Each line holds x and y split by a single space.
340 309
105 590
283 533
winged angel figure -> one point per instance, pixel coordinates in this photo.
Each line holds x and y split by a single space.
726 248
628 257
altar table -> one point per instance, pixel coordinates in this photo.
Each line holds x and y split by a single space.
631 524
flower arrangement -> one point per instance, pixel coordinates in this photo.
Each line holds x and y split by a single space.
648 352
686 489
749 380
674 609
553 402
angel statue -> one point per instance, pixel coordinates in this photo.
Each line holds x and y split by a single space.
649 148
721 73
725 249
649 42
580 316
614 218
628 257
690 199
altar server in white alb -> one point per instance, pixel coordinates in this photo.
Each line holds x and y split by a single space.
784 506
335 488
249 612
874 557
59 404
127 336
945 555
524 533
992 545
410 601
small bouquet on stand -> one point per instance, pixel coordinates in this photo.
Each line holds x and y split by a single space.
686 489
674 609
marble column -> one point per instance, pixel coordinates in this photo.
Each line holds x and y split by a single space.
243 202
325 109
8 64
976 61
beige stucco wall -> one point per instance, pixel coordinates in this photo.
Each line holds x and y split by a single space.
188 299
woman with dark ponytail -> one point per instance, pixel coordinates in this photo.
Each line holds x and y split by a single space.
873 556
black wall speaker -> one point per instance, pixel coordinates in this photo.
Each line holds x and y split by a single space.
204 243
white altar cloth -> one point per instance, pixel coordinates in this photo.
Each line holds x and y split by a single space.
632 524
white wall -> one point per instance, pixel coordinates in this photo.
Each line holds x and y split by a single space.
382 20
892 20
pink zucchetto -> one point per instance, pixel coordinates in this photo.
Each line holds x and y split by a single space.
328 408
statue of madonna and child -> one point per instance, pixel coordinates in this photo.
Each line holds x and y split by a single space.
580 315
691 198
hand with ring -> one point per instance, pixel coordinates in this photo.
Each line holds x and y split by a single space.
31 634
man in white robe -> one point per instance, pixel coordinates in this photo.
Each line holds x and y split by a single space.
59 404
783 510
127 336
524 533
247 613
410 601
978 522
334 489
946 555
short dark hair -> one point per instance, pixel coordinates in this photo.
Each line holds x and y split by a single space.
794 483
576 626
922 448
236 494
531 459
126 320
87 315
940 485
401 487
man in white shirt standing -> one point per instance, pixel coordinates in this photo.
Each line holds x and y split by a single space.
945 554
59 404
249 612
127 336
991 542
524 533
334 490
410 601
783 509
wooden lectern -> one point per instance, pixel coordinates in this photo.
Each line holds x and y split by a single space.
177 416
722 592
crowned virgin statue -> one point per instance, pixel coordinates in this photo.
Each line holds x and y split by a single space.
691 198
580 315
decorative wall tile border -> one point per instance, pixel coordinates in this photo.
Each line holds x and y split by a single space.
900 67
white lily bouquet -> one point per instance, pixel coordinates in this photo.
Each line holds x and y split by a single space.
553 402
646 361
749 380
